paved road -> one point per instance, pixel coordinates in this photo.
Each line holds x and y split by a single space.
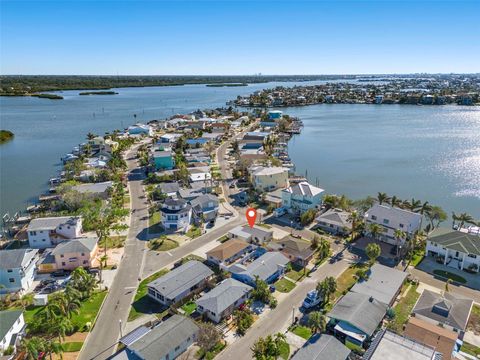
101 342
280 318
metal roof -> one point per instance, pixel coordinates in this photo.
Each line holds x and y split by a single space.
322 347
51 223
17 258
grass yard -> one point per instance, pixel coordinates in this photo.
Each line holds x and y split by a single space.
354 347
474 321
448 275
191 257
194 232
141 303
189 307
162 244
284 285
302 331
417 258
470 349
347 279
224 238
154 224
88 310
72 346
284 349
404 308
212 353
113 242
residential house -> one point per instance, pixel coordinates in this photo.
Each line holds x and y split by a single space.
176 214
301 197
446 310
17 270
199 174
274 198
219 127
140 129
205 207
441 339
96 190
335 221
257 136
165 341
355 317
12 326
197 142
275 114
163 160
179 283
255 234
322 347
171 189
269 178
228 252
189 194
298 251
49 231
221 301
169 138
391 219
269 267
388 345
197 125
75 253
454 248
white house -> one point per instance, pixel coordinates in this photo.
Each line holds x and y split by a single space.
12 324
255 234
269 178
47 232
391 219
176 214
455 248
335 221
17 270
301 197
140 129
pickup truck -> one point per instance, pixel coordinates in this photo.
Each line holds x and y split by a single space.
311 300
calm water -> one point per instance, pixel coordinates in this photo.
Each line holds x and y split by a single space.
430 153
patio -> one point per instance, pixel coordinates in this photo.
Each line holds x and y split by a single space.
388 255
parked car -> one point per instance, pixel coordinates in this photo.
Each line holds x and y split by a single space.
311 300
60 273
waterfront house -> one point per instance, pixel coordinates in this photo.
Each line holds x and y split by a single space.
140 129
269 267
17 270
197 125
322 347
49 231
199 174
163 160
219 127
95 190
12 327
269 178
446 310
355 317
75 253
170 138
197 142
170 189
443 340
388 345
298 251
390 219
335 221
228 252
179 283
164 341
383 283
255 234
176 214
255 136
221 301
454 248
205 207
301 197
275 114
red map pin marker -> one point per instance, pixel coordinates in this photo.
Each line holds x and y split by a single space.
251 215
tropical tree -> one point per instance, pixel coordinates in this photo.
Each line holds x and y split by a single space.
268 348
326 288
83 282
261 291
465 218
53 347
373 252
412 204
323 248
436 215
26 300
395 201
315 242
317 322
91 136
399 235
382 198
357 224
68 302
243 319
375 230
33 347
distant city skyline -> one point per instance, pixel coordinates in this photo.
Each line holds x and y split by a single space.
238 37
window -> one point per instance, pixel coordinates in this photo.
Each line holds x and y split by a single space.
63 263
33 233
9 270
374 217
386 221
401 225
472 256
83 254
85 261
61 255
177 348
12 280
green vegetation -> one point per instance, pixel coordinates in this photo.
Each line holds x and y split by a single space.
162 244
72 346
271 347
403 309
417 257
155 226
88 310
194 232
113 242
373 250
98 93
296 274
224 238
285 286
347 279
189 307
284 350
243 320
354 347
307 217
448 275
474 320
48 96
141 303
209 355
470 349
226 85
6 135
302 331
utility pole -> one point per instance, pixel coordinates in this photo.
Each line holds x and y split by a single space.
120 326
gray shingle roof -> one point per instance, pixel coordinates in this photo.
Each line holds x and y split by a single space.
171 187
7 319
359 310
181 279
94 188
51 223
223 295
336 217
456 240
304 188
203 200
78 245
164 338
446 309
388 212
383 283
322 347
12 259
266 265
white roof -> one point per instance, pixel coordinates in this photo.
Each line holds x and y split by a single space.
305 189
387 212
200 177
263 171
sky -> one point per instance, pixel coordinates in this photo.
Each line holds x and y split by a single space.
238 37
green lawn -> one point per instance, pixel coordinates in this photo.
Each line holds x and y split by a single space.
403 309
113 242
224 238
474 321
162 244
72 346
212 353
449 275
155 226
88 310
470 349
296 275
141 303
302 331
355 348
347 279
194 232
189 307
284 348
417 258
192 257
284 285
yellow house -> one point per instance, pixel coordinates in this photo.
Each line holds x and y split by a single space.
269 178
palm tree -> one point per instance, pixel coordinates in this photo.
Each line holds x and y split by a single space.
323 248
356 221
465 218
412 205
395 201
317 322
436 215
382 198
52 347
454 218
33 347
375 230
399 235
90 136
26 300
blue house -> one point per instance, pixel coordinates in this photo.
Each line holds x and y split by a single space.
197 141
163 160
269 267
275 114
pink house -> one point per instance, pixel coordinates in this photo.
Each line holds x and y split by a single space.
75 253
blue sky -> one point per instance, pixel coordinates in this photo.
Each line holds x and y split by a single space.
229 37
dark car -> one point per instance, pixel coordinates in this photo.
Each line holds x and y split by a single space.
45 282
60 273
